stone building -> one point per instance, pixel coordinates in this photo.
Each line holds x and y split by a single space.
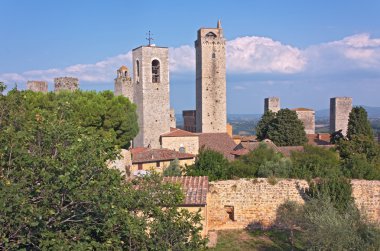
340 108
151 94
189 120
211 80
181 141
123 83
66 84
307 116
272 104
37 86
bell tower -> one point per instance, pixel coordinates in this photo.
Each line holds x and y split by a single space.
123 83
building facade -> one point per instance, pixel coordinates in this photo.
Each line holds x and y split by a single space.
210 50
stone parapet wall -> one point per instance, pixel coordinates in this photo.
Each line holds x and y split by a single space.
236 204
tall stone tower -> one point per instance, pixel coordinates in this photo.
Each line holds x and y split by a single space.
123 83
66 84
340 108
272 104
211 80
151 94
37 86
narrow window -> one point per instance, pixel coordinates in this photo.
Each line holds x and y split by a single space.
139 166
155 71
213 55
138 68
230 211
158 164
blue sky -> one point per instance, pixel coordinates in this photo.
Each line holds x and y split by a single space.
302 51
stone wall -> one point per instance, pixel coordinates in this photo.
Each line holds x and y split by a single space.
307 117
173 120
272 104
66 84
37 86
123 84
235 204
340 108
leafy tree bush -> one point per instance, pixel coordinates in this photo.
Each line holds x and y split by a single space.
358 167
56 192
174 169
358 123
209 163
263 125
315 162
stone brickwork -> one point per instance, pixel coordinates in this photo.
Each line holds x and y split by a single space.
190 144
236 204
123 83
340 108
211 116
66 84
123 163
173 120
307 116
151 94
189 120
37 86
272 104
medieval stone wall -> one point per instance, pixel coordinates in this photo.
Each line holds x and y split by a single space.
308 119
236 204
272 104
66 84
123 84
340 108
37 86
189 143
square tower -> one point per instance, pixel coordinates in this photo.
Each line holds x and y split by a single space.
272 104
123 83
211 115
151 94
340 108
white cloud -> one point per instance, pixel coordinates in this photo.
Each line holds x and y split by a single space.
263 55
244 55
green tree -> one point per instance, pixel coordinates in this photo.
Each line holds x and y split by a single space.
358 123
263 125
286 129
315 162
174 169
56 192
209 163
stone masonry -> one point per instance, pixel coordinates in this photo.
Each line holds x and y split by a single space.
307 116
37 86
272 104
236 204
173 120
123 83
340 108
66 84
211 80
151 94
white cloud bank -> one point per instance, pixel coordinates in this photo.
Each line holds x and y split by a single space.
244 55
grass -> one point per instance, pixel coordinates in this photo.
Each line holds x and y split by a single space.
244 240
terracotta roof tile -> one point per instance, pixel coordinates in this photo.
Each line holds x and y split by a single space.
175 132
194 188
287 150
154 155
220 142
318 139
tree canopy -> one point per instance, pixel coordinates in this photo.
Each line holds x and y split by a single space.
358 123
283 128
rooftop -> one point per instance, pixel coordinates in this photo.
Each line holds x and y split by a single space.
194 188
175 132
220 142
146 155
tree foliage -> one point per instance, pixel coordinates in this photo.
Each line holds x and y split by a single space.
174 169
209 163
283 128
56 192
358 123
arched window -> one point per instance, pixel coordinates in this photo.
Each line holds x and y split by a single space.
155 71
213 55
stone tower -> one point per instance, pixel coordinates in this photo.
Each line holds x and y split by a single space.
307 116
66 84
211 80
272 104
151 94
37 86
340 108
123 83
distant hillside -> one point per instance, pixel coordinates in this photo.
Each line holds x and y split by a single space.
373 112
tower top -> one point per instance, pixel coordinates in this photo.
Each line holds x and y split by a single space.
219 25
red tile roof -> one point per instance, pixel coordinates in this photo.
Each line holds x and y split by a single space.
194 188
154 155
245 147
302 109
175 132
287 150
318 139
220 142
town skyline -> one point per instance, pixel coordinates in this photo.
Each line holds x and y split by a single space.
338 56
